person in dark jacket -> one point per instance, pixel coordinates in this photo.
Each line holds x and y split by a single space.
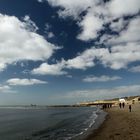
130 108
120 105
123 104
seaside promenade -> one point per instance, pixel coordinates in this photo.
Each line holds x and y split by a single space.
120 124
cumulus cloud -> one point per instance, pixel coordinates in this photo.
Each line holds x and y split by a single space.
71 8
90 27
103 78
19 41
46 69
119 8
118 25
24 82
117 57
124 46
131 34
97 13
6 89
135 69
82 61
121 55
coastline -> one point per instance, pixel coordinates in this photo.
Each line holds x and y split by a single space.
102 115
120 124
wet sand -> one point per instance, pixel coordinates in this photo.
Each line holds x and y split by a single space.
120 124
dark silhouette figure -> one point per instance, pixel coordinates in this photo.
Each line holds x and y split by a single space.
120 105
123 104
130 108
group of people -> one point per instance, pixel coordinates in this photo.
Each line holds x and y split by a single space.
104 106
122 105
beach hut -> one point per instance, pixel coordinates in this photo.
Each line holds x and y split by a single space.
122 103
122 100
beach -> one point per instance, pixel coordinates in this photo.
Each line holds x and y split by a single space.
120 124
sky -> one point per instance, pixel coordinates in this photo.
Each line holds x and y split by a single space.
68 51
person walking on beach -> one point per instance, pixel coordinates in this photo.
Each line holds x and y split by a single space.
123 104
120 105
130 108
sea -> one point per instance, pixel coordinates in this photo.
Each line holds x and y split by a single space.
48 123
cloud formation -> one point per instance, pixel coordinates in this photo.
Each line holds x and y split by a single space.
135 69
130 34
97 13
103 78
46 69
104 93
19 41
6 89
24 82
115 58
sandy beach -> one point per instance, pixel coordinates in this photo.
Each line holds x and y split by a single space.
120 124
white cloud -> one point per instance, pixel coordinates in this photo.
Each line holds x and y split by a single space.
124 47
121 55
82 61
103 78
40 1
6 89
46 69
48 31
24 82
119 25
90 25
131 34
50 35
69 76
135 69
117 57
97 13
104 93
30 25
19 41
72 8
119 8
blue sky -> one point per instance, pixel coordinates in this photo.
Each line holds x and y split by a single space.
68 51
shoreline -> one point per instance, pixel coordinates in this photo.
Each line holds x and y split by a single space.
119 124
98 122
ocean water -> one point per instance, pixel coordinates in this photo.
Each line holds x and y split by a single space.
62 123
